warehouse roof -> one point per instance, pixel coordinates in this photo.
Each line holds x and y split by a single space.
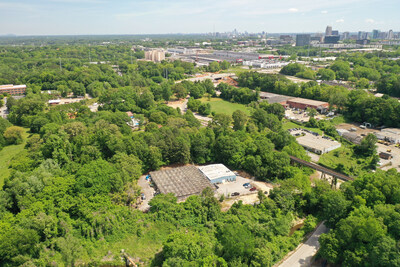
317 142
182 181
308 101
215 171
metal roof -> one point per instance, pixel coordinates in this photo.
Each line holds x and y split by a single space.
181 181
216 171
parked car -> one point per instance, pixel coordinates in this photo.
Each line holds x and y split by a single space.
143 196
253 189
246 184
235 194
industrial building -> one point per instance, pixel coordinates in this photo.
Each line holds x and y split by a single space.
272 98
218 173
331 39
389 134
13 89
302 103
181 181
155 55
265 64
317 144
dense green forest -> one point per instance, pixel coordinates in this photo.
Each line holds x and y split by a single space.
72 193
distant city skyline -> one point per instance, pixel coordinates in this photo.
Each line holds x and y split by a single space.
80 17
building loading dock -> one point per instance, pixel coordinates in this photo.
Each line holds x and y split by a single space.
218 173
181 181
317 144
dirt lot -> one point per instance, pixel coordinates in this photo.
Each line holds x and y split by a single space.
246 196
359 131
394 162
182 104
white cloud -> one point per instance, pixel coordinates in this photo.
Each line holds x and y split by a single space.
340 20
370 21
293 10
324 12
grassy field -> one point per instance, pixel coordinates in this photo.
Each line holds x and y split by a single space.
345 161
219 105
289 125
6 154
235 69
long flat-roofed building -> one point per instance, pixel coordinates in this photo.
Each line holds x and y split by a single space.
317 144
302 103
13 89
218 173
181 181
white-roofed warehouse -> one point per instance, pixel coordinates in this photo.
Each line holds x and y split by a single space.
217 173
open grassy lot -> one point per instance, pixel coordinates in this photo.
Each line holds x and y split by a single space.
218 105
6 154
289 125
236 69
345 161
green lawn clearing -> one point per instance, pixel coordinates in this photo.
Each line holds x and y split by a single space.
218 105
6 154
345 161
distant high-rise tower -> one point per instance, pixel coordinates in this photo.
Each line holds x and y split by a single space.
375 34
328 30
362 35
390 34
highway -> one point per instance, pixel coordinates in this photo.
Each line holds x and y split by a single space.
305 252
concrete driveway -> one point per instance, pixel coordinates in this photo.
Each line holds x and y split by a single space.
148 192
303 255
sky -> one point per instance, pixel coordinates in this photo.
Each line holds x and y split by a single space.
77 17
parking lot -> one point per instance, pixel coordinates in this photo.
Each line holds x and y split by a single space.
301 115
228 188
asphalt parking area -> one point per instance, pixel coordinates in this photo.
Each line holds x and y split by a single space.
228 188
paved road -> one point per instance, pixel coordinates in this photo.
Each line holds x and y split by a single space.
303 255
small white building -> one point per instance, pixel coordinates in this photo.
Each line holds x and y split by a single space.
217 173
341 131
54 102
